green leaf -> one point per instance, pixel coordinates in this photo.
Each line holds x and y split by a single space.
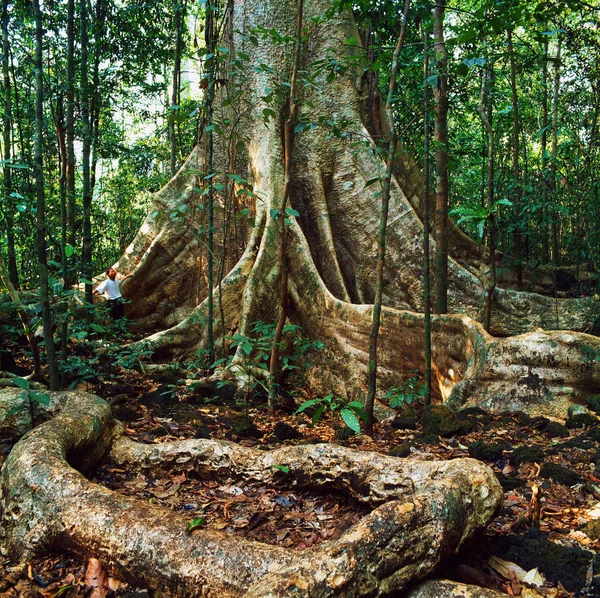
97 327
282 468
63 590
194 524
274 212
16 410
21 383
40 397
318 413
372 182
306 405
351 420
69 250
292 212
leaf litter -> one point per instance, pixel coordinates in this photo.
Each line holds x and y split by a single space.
538 502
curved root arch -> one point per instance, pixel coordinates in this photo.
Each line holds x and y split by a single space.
429 509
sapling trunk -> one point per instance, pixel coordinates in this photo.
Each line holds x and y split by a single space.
385 202
288 142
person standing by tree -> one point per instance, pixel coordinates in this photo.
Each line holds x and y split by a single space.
111 287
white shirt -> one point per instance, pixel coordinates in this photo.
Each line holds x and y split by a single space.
111 288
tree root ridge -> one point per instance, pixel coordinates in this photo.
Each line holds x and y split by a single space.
426 511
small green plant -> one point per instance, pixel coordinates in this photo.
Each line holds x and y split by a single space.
411 390
30 396
350 412
295 355
133 356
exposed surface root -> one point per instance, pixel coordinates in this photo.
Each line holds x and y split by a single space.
429 509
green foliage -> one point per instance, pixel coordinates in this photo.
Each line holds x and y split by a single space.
30 397
412 389
349 411
295 349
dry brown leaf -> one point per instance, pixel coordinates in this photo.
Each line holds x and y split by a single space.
96 579
166 493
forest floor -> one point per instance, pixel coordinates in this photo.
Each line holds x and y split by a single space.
542 543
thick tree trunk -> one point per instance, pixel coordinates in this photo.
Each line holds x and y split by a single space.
332 247
422 511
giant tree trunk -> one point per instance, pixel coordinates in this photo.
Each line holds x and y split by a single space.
332 248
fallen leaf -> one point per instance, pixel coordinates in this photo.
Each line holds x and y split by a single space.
96 579
533 578
166 493
505 568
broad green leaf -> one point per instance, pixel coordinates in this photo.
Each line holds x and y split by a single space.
69 250
351 420
292 212
306 405
21 383
40 397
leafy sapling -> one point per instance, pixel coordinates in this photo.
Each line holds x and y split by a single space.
350 412
30 397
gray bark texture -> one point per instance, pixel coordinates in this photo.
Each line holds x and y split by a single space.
422 511
332 247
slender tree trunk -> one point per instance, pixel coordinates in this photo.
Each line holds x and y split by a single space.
86 150
441 160
485 113
6 134
62 181
40 216
210 32
96 92
554 177
426 226
70 131
515 156
14 295
544 144
288 142
174 109
383 217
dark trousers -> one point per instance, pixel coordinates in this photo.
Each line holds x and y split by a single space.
117 309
